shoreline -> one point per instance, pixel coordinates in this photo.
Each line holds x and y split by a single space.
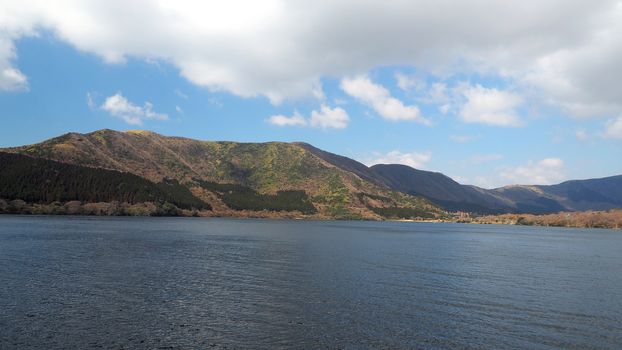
312 218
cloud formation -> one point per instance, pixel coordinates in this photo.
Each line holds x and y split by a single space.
407 82
119 106
613 129
544 172
281 49
490 106
325 118
282 120
10 77
379 98
329 118
416 160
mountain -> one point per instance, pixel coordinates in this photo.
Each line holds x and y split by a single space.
441 189
278 177
345 163
577 195
233 177
595 194
437 187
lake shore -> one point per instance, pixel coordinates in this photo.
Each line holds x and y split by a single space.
611 219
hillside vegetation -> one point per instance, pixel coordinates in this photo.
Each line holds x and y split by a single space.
244 198
44 181
303 180
586 219
142 173
273 176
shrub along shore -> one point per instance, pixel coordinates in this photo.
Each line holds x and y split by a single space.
611 219
584 219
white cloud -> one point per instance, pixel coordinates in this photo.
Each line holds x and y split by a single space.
413 159
318 92
281 120
325 118
490 106
11 79
119 106
335 118
407 82
544 172
441 96
281 49
581 76
179 110
378 97
613 129
437 93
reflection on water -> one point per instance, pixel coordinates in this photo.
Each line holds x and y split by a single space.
72 282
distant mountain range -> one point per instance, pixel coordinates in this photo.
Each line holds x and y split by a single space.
576 195
229 177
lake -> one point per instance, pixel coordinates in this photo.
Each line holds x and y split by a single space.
89 282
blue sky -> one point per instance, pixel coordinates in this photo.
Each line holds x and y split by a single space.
488 126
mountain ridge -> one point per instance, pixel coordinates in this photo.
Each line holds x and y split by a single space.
335 184
255 172
451 195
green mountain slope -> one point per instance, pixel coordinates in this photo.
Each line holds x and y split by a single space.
264 173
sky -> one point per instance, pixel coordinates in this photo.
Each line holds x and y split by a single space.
490 93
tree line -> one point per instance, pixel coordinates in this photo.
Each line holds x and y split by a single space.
240 197
585 219
36 180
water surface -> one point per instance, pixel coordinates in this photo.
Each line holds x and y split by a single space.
77 282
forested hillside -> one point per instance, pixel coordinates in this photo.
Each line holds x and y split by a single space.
44 181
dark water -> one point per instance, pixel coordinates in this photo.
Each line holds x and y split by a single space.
69 282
